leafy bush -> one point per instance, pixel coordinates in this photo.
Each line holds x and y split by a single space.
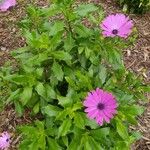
135 6
62 61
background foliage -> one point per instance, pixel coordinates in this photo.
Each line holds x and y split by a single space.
135 6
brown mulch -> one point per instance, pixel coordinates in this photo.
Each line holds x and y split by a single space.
143 127
9 33
137 58
10 37
9 122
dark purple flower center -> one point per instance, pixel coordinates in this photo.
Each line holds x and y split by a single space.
100 106
7 140
115 31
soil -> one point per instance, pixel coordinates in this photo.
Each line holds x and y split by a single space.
137 59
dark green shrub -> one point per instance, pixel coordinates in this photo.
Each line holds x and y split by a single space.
135 6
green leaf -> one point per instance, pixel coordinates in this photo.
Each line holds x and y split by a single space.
91 123
84 9
51 110
69 43
19 51
27 68
35 135
57 70
84 80
13 96
51 11
135 136
57 27
65 140
55 41
62 115
75 144
102 74
29 131
100 133
134 109
71 82
19 108
122 129
83 31
85 142
88 122
26 95
39 72
52 144
18 79
80 50
95 145
41 90
24 144
61 55
50 92
115 58
121 145
42 143
77 106
64 128
79 120
33 145
124 97
131 119
37 59
87 52
89 143
36 108
64 101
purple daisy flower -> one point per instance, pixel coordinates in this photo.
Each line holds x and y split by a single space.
4 141
5 4
116 25
101 106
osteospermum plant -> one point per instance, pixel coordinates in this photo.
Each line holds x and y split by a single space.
74 77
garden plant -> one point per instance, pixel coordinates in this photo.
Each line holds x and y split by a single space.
135 6
72 78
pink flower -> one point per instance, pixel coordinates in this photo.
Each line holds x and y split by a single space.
101 106
5 4
116 25
4 141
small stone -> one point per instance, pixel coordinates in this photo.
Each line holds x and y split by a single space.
1 54
3 48
14 29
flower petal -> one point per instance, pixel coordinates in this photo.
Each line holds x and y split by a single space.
90 109
92 114
118 22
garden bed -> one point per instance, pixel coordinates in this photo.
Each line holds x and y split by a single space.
137 58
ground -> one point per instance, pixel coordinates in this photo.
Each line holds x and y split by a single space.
137 58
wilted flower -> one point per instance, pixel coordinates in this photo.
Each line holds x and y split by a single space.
4 141
5 4
116 25
101 106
